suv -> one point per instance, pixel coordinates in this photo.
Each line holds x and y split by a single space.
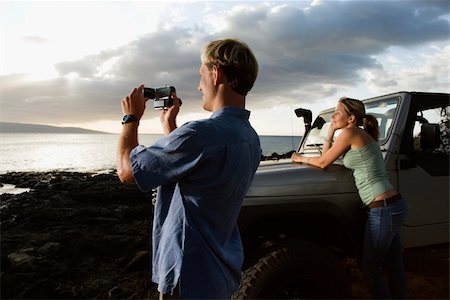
298 221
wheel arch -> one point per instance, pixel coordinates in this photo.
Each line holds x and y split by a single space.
338 228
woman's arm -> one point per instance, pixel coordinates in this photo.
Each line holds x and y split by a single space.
329 139
341 145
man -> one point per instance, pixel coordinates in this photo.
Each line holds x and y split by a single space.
203 170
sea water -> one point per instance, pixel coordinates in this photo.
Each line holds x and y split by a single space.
87 152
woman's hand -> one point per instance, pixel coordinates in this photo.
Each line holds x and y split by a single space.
295 157
331 130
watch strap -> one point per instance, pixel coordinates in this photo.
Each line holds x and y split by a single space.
129 119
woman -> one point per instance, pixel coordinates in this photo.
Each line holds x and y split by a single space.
386 208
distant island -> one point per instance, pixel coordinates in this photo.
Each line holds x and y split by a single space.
35 128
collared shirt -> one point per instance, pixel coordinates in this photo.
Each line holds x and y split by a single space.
203 170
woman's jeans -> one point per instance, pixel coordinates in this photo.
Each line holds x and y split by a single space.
383 251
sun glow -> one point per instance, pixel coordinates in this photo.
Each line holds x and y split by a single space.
39 35
26 56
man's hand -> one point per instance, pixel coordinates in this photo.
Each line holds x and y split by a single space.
134 103
168 116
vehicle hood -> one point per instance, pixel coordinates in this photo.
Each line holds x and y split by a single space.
285 178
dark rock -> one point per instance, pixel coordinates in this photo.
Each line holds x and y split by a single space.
75 236
22 261
49 249
140 262
276 156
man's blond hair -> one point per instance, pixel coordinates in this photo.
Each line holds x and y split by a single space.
236 60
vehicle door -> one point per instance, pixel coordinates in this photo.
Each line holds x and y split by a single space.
423 175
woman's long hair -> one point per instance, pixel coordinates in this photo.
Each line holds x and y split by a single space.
368 122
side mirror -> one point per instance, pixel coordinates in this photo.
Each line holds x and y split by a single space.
430 136
306 114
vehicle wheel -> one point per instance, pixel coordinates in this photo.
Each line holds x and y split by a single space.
297 271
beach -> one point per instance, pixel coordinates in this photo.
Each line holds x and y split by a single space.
81 235
75 236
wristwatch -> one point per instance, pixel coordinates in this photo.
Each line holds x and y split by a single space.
129 118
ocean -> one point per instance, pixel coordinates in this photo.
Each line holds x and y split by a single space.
24 152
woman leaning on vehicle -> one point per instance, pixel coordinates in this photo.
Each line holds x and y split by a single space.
382 249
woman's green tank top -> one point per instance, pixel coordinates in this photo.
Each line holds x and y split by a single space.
369 171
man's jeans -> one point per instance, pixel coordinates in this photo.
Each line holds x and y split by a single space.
383 251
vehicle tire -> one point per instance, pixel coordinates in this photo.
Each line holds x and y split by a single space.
300 270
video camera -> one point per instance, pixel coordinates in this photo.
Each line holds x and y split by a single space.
161 96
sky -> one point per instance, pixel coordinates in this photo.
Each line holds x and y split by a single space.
70 63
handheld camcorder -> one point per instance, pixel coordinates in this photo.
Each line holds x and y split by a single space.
161 96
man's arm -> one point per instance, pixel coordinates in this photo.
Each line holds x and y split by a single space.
133 104
128 140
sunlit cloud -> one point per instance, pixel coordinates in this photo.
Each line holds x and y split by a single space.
74 61
431 73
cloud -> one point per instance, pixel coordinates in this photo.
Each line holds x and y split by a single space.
432 75
35 39
305 52
332 41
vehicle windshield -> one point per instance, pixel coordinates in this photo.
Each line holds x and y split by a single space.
383 110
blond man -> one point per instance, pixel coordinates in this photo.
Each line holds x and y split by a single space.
203 170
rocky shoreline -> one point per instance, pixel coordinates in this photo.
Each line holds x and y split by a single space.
87 236
75 236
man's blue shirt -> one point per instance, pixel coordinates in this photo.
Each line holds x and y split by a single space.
203 170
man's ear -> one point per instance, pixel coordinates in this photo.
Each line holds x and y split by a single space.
217 75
